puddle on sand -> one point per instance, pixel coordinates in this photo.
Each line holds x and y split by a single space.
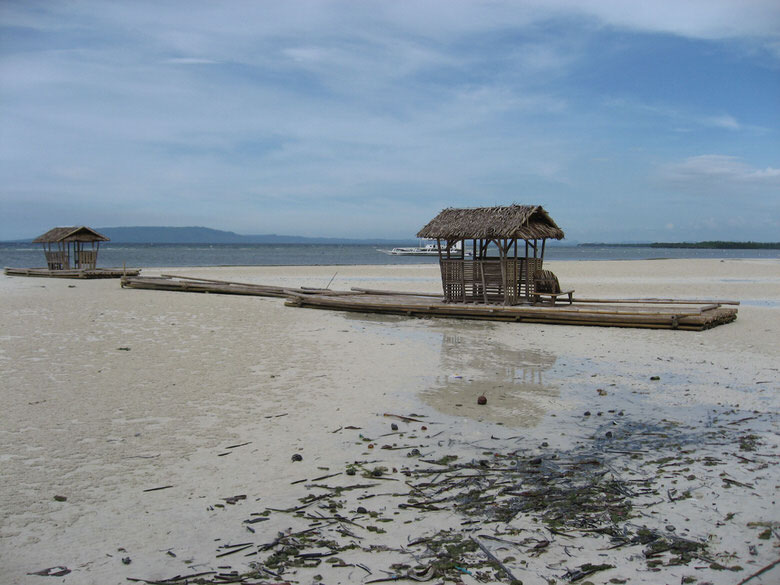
518 405
473 364
511 380
454 363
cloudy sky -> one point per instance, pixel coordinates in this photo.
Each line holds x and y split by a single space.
627 121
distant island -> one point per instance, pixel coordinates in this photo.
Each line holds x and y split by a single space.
712 245
204 235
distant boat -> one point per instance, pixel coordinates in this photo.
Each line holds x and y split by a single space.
424 249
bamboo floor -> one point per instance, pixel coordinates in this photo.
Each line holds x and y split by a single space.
684 314
94 273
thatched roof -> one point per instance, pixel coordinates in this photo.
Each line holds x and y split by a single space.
525 222
71 234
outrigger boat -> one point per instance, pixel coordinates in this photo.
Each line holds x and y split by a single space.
427 249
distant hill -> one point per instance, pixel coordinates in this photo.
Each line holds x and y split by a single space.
169 235
204 235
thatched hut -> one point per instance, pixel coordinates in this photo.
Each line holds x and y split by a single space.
491 268
58 242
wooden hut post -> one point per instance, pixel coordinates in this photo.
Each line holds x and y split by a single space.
442 270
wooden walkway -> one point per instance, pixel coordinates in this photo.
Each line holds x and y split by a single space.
693 315
86 273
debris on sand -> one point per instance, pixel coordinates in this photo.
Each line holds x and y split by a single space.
437 506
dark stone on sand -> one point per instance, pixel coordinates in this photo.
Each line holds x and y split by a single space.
297 457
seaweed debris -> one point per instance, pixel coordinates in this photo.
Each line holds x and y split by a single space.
503 510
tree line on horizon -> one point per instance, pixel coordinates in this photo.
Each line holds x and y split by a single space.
712 244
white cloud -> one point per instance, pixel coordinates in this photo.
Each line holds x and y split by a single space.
725 121
190 61
716 174
703 19
681 119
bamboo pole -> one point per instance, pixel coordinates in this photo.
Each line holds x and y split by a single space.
545 312
659 301
497 315
374 291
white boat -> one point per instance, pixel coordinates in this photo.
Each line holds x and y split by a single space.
424 249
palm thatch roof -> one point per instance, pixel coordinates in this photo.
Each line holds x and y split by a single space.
524 222
71 234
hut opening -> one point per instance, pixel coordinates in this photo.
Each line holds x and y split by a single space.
63 245
491 254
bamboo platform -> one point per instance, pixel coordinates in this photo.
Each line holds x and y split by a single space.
690 315
207 285
685 314
86 273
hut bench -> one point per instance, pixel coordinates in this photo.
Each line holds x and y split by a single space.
538 296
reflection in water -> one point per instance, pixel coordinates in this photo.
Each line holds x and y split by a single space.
510 379
471 364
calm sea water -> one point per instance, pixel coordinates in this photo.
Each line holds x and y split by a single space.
152 255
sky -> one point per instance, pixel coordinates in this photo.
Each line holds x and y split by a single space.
627 121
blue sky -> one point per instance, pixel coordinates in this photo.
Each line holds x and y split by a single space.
627 121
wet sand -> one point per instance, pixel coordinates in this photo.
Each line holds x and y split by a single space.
109 394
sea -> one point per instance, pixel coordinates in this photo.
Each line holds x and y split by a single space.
26 255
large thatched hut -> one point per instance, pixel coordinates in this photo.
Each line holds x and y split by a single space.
479 254
63 244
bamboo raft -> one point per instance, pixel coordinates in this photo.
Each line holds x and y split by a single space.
207 285
685 314
73 273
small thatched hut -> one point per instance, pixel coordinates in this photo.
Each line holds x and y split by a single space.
496 271
57 244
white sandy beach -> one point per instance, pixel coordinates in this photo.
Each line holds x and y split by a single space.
108 392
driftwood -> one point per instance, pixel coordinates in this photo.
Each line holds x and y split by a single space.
769 567
493 558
